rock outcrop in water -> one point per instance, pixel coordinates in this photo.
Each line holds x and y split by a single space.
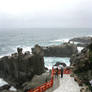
82 63
64 50
82 41
20 68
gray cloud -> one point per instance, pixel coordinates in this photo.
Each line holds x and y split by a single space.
76 13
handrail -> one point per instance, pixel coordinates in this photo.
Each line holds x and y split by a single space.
48 84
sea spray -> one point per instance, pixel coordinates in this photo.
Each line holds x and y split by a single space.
50 61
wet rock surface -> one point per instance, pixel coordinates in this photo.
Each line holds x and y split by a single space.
64 50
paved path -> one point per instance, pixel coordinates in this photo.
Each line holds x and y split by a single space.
67 84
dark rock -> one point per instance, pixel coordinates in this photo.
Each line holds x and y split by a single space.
37 81
90 46
27 53
19 50
19 68
38 50
82 63
69 67
64 50
46 68
83 41
78 80
85 89
5 87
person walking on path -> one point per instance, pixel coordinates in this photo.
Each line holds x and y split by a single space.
62 69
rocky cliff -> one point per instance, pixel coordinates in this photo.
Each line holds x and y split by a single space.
82 63
21 67
64 50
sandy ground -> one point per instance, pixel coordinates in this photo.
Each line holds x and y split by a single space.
65 84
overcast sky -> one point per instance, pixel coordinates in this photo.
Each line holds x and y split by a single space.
45 13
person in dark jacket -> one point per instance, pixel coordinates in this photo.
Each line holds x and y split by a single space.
62 69
56 71
56 74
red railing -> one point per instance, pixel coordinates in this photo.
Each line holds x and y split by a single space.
48 84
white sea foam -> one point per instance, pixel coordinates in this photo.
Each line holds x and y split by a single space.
25 48
62 40
1 56
2 82
12 89
74 42
50 61
79 49
89 35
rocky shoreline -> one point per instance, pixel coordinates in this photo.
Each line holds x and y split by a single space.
25 70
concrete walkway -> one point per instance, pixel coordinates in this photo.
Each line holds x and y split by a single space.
67 84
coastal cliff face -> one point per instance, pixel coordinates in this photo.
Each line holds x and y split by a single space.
64 50
82 63
19 68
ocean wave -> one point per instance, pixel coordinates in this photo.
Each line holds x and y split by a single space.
80 48
61 40
2 82
50 61
89 35
14 49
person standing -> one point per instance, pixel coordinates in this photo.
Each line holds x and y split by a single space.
62 69
56 71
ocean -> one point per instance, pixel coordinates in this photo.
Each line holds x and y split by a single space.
26 38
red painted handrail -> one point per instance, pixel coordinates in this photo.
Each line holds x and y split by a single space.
48 84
